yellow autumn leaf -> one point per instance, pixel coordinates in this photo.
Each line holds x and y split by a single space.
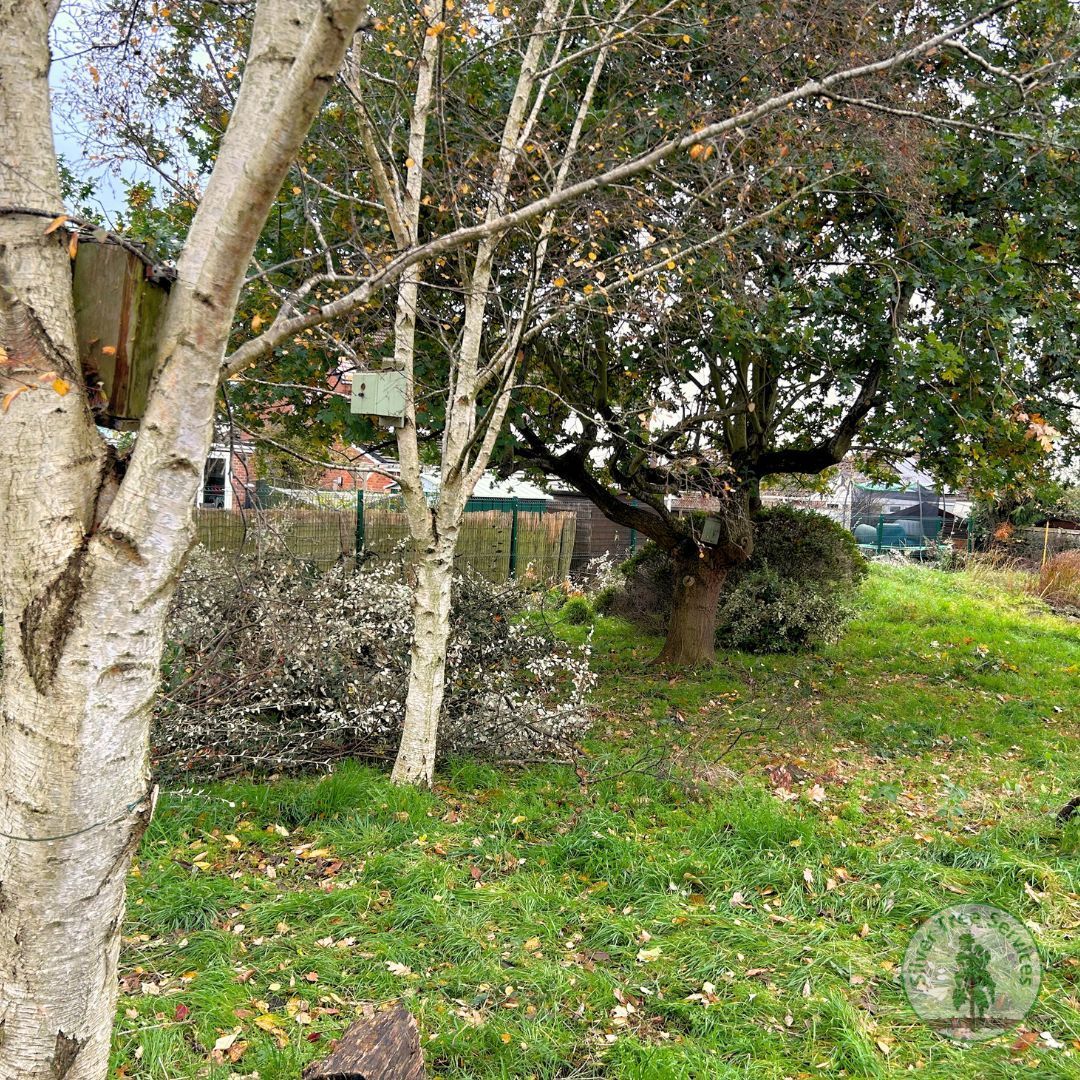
409 163
55 223
73 245
109 350
697 150
272 1025
560 282
60 386
257 322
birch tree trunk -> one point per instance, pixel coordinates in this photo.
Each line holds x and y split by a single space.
89 556
415 762
466 443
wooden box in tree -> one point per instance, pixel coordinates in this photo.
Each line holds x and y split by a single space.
710 532
380 394
118 314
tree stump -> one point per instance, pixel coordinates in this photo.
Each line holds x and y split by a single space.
385 1046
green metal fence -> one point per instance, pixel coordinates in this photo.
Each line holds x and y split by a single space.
513 539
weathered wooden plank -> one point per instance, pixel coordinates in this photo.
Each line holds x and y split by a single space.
118 313
385 1046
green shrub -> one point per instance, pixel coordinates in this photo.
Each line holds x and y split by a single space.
576 611
554 599
645 595
604 600
797 589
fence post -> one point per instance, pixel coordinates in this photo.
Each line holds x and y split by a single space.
557 576
513 536
880 531
359 539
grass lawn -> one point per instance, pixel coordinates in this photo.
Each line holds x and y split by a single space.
553 922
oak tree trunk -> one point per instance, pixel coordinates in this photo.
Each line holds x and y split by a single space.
691 632
700 571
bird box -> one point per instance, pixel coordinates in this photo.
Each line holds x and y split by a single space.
119 308
710 532
379 394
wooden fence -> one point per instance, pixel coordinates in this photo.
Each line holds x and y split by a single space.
497 544
1038 539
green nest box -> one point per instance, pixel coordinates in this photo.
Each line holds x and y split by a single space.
380 394
118 314
710 531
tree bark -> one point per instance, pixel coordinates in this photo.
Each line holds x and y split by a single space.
89 561
466 447
415 763
700 572
383 1047
691 632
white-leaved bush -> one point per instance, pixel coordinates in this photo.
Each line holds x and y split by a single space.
275 666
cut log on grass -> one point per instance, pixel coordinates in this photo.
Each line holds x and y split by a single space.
385 1046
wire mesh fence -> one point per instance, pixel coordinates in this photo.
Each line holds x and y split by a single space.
500 539
880 532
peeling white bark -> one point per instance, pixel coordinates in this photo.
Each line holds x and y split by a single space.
86 582
435 532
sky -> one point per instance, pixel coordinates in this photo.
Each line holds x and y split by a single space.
66 134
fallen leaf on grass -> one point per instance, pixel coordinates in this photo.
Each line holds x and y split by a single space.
272 1026
1024 1042
707 995
226 1041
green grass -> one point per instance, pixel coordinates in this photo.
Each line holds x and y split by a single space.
554 923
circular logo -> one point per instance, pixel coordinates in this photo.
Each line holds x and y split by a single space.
972 972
